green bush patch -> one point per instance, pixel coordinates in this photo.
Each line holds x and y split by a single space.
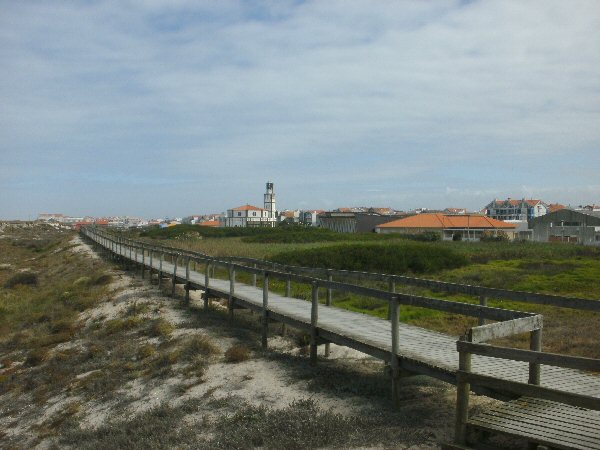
394 258
21 278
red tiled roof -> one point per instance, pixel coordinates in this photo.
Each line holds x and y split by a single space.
247 208
442 221
208 223
555 207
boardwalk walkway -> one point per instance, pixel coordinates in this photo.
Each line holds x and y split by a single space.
420 351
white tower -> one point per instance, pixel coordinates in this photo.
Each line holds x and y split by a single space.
270 201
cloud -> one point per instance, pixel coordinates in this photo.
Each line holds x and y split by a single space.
485 95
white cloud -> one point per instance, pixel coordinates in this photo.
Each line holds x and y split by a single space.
487 93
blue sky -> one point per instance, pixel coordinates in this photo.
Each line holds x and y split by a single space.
157 108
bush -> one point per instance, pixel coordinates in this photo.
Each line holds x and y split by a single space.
160 328
21 278
394 258
199 345
237 353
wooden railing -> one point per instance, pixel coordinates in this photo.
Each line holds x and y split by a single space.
508 322
482 292
467 380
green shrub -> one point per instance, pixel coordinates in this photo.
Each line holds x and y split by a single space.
21 278
160 328
396 258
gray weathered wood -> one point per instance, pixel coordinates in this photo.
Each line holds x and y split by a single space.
394 363
462 398
498 330
265 306
551 359
314 323
531 390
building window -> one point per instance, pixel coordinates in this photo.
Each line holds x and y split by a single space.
254 213
239 214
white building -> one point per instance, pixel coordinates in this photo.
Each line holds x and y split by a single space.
253 216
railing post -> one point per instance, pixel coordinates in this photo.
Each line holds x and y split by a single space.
136 259
265 315
175 258
483 301
394 309
206 284
187 280
535 344
392 289
143 260
231 290
151 256
314 322
288 285
160 269
462 397
254 275
328 300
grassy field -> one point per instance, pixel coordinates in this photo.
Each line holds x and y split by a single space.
566 270
93 358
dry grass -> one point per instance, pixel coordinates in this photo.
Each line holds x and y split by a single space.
160 328
237 353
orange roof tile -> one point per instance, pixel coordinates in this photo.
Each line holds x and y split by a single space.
208 223
247 208
555 207
441 221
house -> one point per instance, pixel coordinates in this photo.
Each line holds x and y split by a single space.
567 225
253 216
555 207
511 209
310 217
591 207
290 217
468 227
209 223
455 211
249 216
352 222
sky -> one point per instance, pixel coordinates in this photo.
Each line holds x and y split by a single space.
171 108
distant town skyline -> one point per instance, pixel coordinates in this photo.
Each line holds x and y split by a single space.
157 109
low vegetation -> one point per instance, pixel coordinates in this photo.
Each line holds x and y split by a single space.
397 258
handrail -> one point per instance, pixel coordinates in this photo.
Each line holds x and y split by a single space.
467 309
436 285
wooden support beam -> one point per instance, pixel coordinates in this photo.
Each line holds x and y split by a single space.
174 281
483 301
462 398
394 363
230 300
254 276
535 344
265 321
328 300
187 280
160 269
143 267
392 289
314 322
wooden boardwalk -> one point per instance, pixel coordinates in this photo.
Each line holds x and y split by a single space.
420 351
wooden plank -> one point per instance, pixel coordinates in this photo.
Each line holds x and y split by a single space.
553 359
531 390
498 330
530 433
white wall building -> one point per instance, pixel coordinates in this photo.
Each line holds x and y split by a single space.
253 216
